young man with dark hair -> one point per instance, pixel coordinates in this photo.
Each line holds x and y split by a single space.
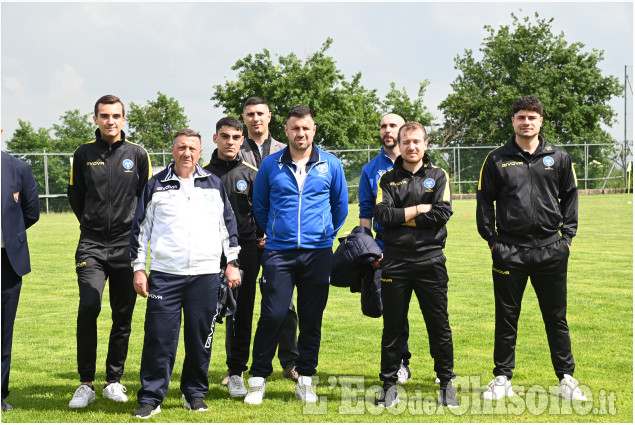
107 177
238 178
414 204
527 211
300 201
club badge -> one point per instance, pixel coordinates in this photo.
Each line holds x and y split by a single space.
429 183
241 185
127 164
548 161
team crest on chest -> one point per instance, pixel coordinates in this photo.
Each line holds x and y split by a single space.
429 183
241 185
548 161
322 168
127 164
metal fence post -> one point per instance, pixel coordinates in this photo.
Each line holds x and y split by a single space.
46 180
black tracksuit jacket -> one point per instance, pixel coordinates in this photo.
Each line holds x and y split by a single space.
238 178
536 196
398 189
105 184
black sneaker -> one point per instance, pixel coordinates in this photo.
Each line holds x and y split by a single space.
447 396
196 404
387 396
146 410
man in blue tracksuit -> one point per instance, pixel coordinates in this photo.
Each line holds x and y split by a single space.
301 201
367 194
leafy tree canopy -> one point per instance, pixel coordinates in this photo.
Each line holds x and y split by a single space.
347 113
528 58
154 124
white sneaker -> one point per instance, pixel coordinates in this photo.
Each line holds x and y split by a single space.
83 396
236 386
568 388
115 391
403 374
256 390
304 391
500 387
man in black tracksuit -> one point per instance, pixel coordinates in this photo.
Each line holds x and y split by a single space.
238 178
529 232
107 177
413 205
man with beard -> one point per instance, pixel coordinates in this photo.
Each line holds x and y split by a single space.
388 130
259 144
414 205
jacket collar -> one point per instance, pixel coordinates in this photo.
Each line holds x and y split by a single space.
104 143
285 158
222 163
426 164
512 148
199 172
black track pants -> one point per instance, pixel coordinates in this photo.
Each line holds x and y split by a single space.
429 281
95 264
547 268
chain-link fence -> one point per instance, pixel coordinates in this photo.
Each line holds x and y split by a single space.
598 166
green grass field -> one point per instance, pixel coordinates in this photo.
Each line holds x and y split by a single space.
44 377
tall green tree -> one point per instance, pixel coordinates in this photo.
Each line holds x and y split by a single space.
399 102
153 125
347 113
73 130
528 58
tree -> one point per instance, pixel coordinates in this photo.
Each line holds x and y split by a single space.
74 130
154 124
347 113
27 139
528 58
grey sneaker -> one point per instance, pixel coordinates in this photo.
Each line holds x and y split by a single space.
145 411
116 392
304 391
387 396
289 372
84 395
447 396
236 386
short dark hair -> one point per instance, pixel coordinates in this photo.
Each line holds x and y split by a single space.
409 126
186 132
255 101
109 99
229 122
299 111
527 103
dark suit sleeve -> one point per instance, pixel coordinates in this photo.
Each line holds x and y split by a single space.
30 200
77 186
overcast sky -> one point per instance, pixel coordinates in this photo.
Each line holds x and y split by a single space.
61 56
